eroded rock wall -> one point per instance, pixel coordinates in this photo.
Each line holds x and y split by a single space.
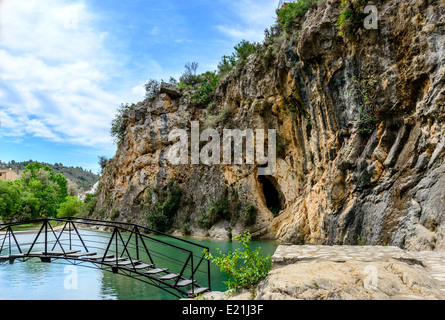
335 183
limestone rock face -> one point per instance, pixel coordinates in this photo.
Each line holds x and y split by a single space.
333 182
347 281
319 272
312 272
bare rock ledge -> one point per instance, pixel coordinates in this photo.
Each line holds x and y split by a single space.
316 272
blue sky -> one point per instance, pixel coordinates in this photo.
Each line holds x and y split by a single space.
66 65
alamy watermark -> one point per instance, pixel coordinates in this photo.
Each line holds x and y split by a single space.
371 281
220 150
71 280
371 21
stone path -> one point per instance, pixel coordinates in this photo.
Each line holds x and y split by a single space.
432 261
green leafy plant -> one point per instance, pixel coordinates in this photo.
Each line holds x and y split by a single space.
226 64
82 178
245 48
227 207
365 91
103 161
114 214
286 16
9 199
360 242
70 208
189 77
118 124
250 214
351 17
275 211
245 267
222 116
203 95
219 209
160 212
273 40
238 59
152 89
41 191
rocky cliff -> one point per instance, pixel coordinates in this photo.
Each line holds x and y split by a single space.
359 119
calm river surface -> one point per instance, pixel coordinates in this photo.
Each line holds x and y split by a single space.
34 280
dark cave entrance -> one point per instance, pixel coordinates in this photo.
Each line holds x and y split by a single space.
272 195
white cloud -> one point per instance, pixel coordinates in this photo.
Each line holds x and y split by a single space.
138 91
54 67
239 33
39 28
253 17
154 31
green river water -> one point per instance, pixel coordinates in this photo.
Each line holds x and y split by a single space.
33 280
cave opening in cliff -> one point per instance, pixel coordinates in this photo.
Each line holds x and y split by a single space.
273 197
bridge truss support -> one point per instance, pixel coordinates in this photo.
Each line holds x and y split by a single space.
173 264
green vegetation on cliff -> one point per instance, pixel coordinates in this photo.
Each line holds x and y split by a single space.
161 206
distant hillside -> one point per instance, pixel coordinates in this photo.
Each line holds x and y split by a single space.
83 178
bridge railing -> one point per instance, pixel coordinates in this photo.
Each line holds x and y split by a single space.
122 241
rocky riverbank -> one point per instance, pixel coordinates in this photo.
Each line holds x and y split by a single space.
313 272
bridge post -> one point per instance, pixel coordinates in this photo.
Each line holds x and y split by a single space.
46 259
69 234
136 230
46 235
208 275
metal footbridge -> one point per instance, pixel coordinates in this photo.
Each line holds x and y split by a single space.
173 264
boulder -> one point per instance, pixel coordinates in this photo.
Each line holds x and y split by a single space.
170 89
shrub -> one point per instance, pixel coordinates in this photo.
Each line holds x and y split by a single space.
9 199
244 49
273 40
173 81
245 268
161 212
42 191
70 208
219 209
275 211
189 76
103 161
351 18
118 124
214 119
225 207
238 58
203 96
89 206
152 89
205 220
286 16
365 92
272 33
250 214
114 214
226 64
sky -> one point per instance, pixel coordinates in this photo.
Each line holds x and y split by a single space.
66 65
